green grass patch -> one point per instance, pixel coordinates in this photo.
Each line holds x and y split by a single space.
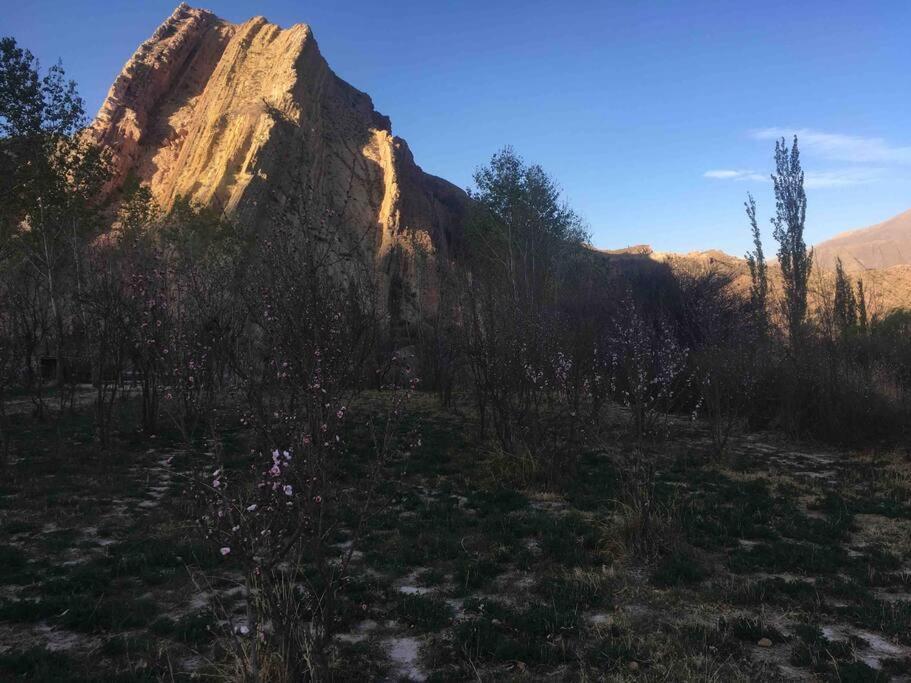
423 612
787 556
679 568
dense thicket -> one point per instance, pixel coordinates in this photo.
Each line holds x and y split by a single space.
532 324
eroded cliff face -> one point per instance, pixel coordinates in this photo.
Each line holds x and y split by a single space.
250 119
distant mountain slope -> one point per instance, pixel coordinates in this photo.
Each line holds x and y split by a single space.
887 289
879 246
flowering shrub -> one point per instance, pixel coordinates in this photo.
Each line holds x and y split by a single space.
279 519
283 502
648 370
308 341
205 320
727 382
146 290
189 378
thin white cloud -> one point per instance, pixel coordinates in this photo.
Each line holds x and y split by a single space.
844 177
841 177
863 160
840 147
730 174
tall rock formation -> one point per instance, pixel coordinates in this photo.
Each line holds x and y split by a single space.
249 118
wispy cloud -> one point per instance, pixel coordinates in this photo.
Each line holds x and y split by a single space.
730 174
840 147
843 177
839 177
861 160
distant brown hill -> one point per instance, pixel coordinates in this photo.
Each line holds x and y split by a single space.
879 246
887 289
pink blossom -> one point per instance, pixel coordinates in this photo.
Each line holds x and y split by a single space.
225 551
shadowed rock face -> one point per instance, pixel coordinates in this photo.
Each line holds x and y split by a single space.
249 118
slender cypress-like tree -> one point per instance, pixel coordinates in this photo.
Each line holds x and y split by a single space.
845 303
759 287
788 223
862 319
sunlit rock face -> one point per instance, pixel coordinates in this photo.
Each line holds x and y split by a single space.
884 245
249 119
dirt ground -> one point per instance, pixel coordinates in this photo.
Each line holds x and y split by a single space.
783 562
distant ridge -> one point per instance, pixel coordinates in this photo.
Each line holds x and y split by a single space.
879 246
887 288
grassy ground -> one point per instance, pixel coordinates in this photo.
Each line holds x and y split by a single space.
781 563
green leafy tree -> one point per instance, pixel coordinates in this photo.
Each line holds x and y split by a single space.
50 178
522 226
518 240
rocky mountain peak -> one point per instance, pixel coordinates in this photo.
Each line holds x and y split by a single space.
248 118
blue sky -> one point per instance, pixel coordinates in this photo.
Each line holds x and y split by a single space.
656 117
